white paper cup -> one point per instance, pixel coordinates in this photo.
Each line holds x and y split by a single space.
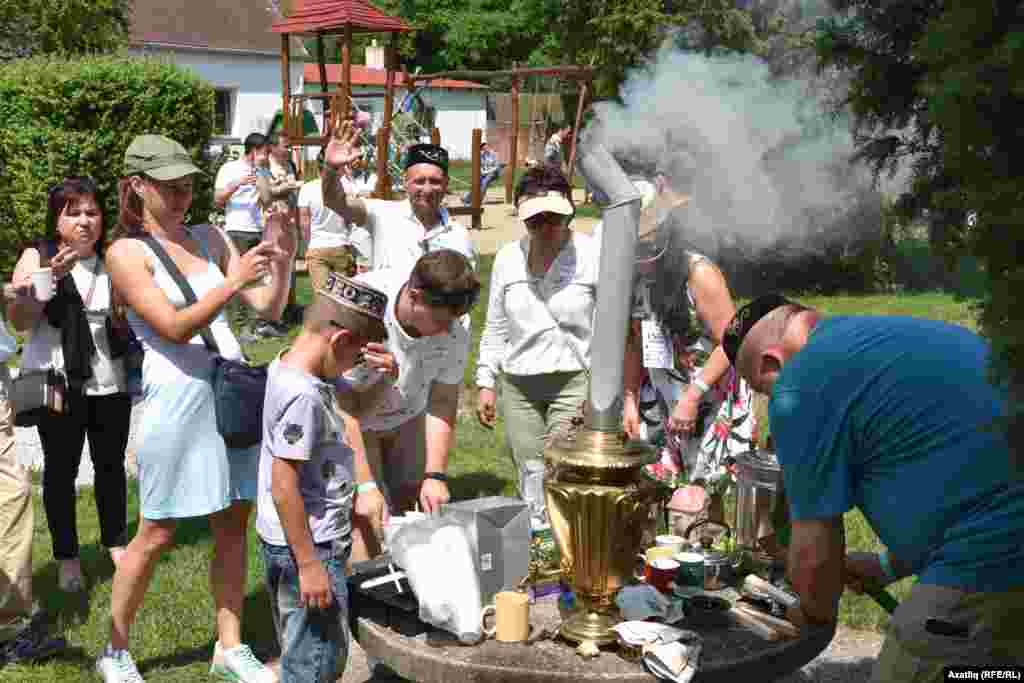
670 541
42 283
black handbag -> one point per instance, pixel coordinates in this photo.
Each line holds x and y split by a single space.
37 393
238 387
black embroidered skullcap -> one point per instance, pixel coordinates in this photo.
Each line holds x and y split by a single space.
745 319
427 154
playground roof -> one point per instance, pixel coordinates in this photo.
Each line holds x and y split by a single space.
330 16
364 75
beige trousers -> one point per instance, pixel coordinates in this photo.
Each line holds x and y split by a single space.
15 525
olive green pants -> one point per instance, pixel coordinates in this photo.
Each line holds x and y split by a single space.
983 629
532 406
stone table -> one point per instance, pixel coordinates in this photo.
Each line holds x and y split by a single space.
419 653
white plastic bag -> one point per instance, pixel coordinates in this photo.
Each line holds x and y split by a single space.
437 558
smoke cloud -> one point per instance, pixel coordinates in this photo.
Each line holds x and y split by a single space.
770 169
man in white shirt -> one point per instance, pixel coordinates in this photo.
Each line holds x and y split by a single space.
235 191
402 230
327 235
408 428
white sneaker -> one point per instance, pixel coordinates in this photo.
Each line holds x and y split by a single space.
239 664
117 666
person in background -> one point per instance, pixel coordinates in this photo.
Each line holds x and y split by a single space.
23 634
308 474
278 185
185 468
402 230
72 332
895 416
408 423
235 191
490 170
327 235
553 154
540 318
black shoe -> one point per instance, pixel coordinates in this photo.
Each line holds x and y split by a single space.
32 644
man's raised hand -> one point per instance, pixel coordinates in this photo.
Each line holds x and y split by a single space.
345 146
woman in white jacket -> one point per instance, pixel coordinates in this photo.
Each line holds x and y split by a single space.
540 317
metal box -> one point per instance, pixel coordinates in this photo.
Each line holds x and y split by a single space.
499 535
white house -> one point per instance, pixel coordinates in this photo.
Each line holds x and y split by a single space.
458 106
229 44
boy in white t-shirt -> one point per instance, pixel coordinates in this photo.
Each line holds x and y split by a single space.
307 472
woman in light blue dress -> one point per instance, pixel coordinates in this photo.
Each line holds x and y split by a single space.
185 470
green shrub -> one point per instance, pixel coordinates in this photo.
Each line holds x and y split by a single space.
61 117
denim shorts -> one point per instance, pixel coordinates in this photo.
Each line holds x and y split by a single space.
314 642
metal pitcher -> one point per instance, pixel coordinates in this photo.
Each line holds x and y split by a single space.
758 493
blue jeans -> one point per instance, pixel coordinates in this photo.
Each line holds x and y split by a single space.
485 181
312 641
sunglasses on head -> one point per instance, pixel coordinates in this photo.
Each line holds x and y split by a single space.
459 300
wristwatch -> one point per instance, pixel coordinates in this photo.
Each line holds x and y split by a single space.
439 476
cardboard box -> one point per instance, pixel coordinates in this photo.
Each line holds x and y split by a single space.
499 535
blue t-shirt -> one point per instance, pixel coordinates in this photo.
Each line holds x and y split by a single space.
894 415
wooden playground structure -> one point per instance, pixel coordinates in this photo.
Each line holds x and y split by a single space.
343 18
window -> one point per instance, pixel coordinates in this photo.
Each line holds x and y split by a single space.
223 111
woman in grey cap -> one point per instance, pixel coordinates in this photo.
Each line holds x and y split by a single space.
185 469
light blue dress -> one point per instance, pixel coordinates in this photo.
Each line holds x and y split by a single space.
185 470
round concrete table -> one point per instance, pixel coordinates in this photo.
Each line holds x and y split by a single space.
731 653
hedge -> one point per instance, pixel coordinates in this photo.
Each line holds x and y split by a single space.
60 117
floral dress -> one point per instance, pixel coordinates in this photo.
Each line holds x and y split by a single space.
726 425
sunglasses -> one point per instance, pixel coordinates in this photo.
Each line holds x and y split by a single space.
654 248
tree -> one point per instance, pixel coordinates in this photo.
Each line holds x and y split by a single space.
63 28
938 86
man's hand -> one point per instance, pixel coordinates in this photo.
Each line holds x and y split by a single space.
433 494
344 147
371 506
315 585
861 570
485 407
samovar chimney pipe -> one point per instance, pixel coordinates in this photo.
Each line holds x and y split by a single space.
615 287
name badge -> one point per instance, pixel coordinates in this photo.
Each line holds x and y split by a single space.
657 346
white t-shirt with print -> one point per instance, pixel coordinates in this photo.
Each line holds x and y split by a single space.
421 361
242 210
301 423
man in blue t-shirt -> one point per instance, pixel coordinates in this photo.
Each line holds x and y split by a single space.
895 416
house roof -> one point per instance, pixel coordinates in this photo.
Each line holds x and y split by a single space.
312 16
238 25
363 75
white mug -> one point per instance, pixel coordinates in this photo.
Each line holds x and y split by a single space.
42 283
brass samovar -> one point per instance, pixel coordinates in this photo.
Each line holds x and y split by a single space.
599 501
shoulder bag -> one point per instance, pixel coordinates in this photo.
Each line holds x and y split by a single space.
37 392
238 387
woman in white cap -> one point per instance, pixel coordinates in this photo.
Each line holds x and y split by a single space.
540 318
185 469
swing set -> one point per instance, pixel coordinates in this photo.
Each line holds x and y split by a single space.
321 18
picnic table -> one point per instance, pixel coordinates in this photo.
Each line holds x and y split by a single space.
426 655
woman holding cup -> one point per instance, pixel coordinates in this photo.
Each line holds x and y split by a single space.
185 469
62 295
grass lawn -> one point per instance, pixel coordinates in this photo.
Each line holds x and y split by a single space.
174 634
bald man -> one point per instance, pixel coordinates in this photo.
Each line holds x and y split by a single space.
895 416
